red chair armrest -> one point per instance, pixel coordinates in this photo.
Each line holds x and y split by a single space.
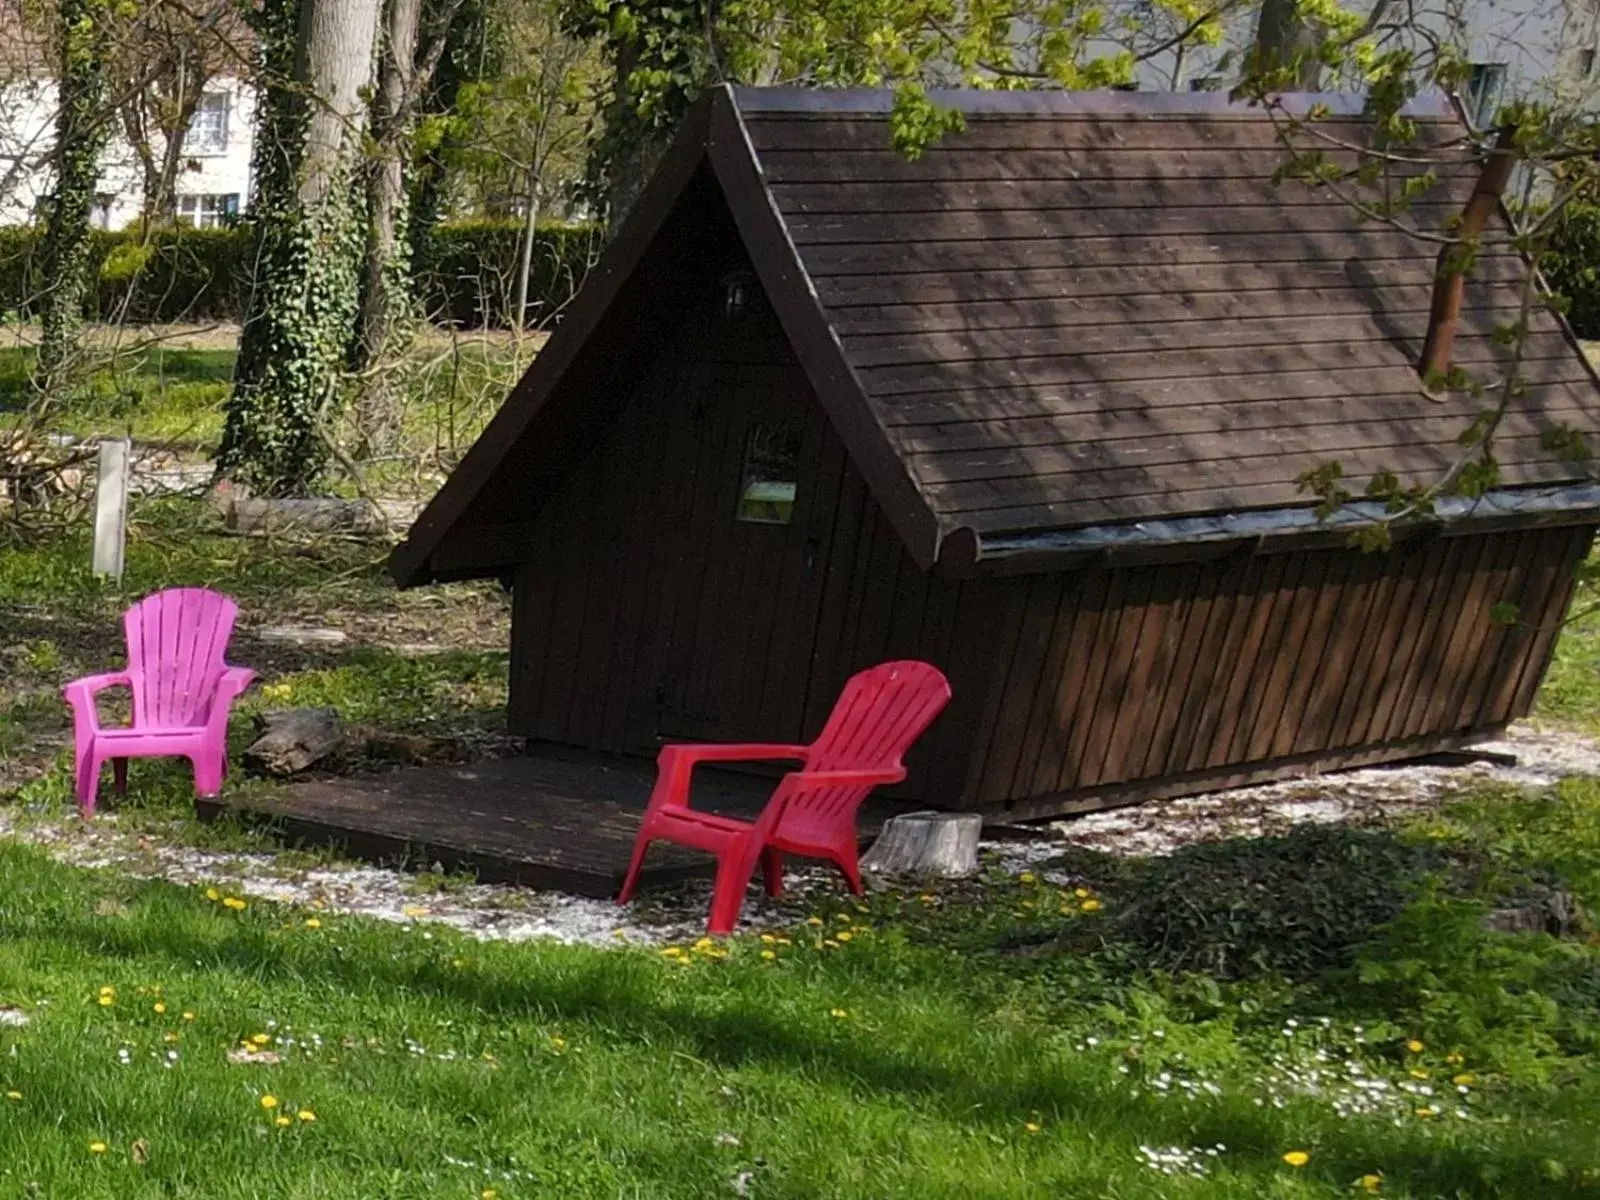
810 779
675 765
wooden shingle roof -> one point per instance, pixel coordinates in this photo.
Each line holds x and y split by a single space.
1087 309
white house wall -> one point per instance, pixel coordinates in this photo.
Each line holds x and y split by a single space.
27 132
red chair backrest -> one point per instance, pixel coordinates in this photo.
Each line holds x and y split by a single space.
176 642
880 713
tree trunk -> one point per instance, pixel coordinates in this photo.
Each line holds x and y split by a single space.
519 310
1286 47
386 309
80 137
926 843
304 294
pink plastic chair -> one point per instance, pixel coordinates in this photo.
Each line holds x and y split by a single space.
182 691
880 713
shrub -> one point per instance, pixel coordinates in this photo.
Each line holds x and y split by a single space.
466 273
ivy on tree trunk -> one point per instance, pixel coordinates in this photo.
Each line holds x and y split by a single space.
81 132
308 241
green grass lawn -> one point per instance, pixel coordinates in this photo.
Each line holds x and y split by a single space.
1014 1038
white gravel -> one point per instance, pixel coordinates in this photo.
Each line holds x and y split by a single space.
517 914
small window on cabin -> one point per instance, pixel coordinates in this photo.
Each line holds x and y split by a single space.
739 290
1585 63
770 475
1485 83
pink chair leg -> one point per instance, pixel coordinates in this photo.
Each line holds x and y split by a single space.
734 866
772 870
631 880
88 779
207 774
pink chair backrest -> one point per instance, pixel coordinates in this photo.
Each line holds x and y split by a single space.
881 711
176 642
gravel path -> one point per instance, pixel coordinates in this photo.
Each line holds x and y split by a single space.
487 911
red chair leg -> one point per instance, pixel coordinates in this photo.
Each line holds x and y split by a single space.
119 774
631 880
772 870
734 866
846 858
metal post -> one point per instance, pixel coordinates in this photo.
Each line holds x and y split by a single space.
111 505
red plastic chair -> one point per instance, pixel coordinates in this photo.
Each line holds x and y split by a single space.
812 812
182 690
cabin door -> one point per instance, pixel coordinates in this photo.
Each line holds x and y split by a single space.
746 596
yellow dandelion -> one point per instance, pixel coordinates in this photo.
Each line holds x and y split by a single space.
13 1095
188 1016
783 941
1031 1126
260 1039
159 1007
305 1114
844 935
1091 906
671 952
1026 877
97 1147
283 1122
1465 1079
704 943
488 1194
1455 1060
313 923
813 920
767 939
619 933
1370 1183
926 898
108 990
1297 1158
106 1001
414 910
234 903
269 1102
1418 1073
769 955
558 1044
845 917
213 895
1081 893
838 1013
1415 1046
1426 1111
169 1037
830 944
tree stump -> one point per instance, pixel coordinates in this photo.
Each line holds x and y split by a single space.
295 739
926 843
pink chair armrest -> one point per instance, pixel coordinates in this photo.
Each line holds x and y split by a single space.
233 682
80 694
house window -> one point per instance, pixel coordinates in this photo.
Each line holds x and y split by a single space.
209 210
769 476
100 215
208 128
1484 86
1585 63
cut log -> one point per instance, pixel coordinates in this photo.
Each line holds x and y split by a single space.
295 739
926 843
295 635
256 515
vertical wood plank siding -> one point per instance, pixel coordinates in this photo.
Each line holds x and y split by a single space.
1232 665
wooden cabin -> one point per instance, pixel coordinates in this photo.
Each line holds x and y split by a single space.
1032 407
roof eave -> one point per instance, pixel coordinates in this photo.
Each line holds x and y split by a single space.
968 552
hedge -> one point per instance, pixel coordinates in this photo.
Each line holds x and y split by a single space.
466 273
1571 265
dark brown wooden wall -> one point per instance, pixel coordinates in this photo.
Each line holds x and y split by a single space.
1211 673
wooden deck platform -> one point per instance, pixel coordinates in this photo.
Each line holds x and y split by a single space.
556 819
